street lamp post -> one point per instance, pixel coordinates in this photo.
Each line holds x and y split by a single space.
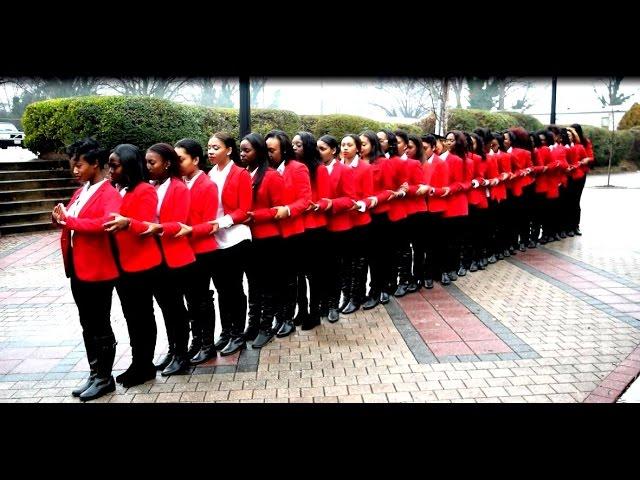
245 107
554 91
613 126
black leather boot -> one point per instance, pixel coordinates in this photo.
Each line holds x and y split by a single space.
301 299
92 358
179 364
104 382
372 300
207 341
196 339
166 360
445 280
236 344
225 336
474 266
255 311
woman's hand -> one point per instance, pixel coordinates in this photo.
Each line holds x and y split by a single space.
118 223
152 229
184 230
282 212
214 227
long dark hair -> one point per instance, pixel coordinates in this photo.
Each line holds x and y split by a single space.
90 149
310 154
479 145
332 142
262 159
229 142
376 149
418 143
578 128
392 141
194 150
286 149
134 170
169 155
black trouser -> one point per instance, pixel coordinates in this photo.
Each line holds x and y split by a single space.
199 298
514 207
229 266
336 267
266 281
93 300
538 211
453 236
477 237
527 213
420 232
169 288
313 255
136 297
564 213
430 246
290 265
503 230
492 216
379 254
402 253
574 195
553 216
358 266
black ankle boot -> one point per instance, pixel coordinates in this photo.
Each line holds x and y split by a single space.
92 358
179 364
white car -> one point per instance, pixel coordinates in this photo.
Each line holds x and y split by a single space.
10 135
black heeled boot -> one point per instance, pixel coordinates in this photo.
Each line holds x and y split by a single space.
104 382
301 300
92 358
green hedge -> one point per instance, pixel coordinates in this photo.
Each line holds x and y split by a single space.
626 145
469 119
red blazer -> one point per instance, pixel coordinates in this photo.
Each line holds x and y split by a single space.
236 194
504 166
138 253
93 259
175 208
478 196
558 175
589 151
270 194
492 172
520 161
414 203
457 204
297 195
382 183
399 174
203 208
342 194
579 153
363 182
436 175
320 189
542 159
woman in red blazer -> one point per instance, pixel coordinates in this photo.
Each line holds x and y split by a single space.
584 162
436 182
478 205
89 261
174 201
315 234
398 214
296 200
203 208
138 258
522 186
458 205
542 162
233 236
377 246
355 154
263 269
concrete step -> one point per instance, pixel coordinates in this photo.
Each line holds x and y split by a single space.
35 216
30 174
37 183
32 205
36 165
26 227
37 194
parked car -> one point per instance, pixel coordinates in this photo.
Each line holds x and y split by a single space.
10 135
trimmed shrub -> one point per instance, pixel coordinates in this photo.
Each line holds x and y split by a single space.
626 145
339 125
631 118
470 119
409 128
427 124
309 123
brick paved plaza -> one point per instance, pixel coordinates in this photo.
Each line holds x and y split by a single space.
558 324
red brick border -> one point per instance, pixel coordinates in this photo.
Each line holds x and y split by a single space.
611 388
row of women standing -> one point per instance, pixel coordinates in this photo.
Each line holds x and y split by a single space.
283 212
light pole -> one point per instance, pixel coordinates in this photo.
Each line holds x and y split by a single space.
613 125
245 107
554 92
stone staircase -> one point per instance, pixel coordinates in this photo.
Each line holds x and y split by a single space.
29 191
